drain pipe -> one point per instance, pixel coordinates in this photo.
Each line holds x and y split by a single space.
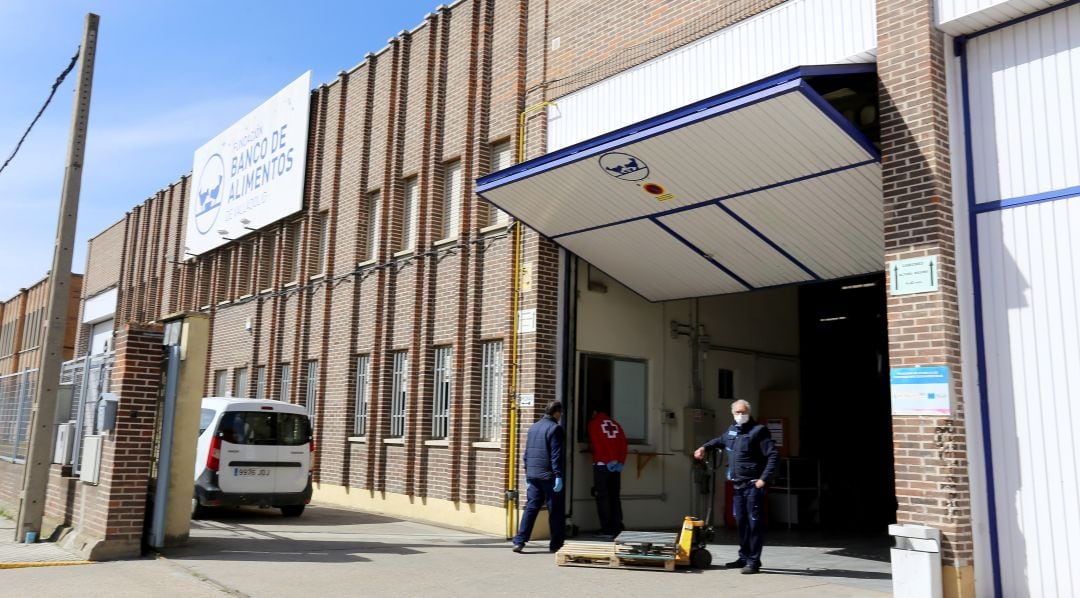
511 462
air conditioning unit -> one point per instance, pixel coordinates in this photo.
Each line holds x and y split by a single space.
65 441
91 459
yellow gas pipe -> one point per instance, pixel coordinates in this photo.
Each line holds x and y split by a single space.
511 476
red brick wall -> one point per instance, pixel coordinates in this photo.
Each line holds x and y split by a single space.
930 453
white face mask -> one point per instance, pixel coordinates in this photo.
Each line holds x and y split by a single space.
741 418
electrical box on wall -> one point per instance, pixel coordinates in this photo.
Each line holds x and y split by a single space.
699 427
106 412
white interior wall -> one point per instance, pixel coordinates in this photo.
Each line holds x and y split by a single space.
620 322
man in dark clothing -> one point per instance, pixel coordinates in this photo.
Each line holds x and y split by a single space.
609 448
544 478
752 458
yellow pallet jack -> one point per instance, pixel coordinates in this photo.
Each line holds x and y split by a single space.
692 549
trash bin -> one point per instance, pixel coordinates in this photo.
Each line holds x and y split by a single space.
916 561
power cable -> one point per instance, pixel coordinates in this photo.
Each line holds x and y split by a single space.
55 86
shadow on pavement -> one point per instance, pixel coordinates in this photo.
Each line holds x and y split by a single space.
828 573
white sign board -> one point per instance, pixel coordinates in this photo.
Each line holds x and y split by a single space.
526 400
526 321
920 391
916 275
253 173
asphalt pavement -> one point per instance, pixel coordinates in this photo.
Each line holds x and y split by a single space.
333 551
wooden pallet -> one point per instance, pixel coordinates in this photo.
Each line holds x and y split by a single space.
604 554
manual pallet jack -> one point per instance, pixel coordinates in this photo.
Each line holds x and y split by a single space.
640 550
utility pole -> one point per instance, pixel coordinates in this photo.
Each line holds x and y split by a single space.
39 455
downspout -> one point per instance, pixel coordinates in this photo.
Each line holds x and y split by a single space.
511 462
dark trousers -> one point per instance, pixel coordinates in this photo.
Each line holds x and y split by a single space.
749 508
542 492
607 485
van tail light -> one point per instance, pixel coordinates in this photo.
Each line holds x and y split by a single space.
311 446
213 458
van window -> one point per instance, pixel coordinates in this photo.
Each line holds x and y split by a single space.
205 418
262 427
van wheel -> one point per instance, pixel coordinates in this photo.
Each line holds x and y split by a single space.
292 510
197 511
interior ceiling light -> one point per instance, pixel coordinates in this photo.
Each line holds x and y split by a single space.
843 92
866 285
833 319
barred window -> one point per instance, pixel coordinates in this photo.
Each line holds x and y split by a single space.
502 157
491 387
221 381
399 394
286 374
311 386
451 218
362 393
409 210
224 265
440 411
245 254
241 382
260 382
296 231
266 262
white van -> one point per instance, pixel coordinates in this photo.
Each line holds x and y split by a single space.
253 452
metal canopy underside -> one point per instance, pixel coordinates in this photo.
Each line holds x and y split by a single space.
764 186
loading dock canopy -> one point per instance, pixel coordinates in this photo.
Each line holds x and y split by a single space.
763 186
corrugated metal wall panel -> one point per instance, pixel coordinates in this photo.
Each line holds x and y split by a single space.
647 259
1024 85
958 17
1029 258
798 32
715 232
1023 90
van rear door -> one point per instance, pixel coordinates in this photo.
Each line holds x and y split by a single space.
249 452
294 452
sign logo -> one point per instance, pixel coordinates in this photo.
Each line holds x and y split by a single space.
624 166
211 180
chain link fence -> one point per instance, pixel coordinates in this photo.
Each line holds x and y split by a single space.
16 400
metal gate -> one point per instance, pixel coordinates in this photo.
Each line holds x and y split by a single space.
89 377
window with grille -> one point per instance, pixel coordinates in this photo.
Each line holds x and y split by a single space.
491 388
725 384
266 262
399 394
295 233
362 393
286 374
374 211
241 382
451 218
221 382
409 211
502 156
260 382
322 246
311 386
440 411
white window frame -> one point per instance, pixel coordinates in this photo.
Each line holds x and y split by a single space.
502 157
491 390
260 382
374 213
285 372
452 191
363 394
311 387
399 394
442 393
221 383
409 213
240 382
322 261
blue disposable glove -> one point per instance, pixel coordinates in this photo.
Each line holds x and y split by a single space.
614 466
558 484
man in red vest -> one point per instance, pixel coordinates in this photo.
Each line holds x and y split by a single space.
609 454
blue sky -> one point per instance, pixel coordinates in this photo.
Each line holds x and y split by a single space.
169 76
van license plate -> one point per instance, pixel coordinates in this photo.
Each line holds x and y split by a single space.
242 472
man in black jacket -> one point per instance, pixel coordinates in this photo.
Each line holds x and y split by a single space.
752 458
543 459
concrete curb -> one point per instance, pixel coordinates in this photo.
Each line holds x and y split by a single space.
43 564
